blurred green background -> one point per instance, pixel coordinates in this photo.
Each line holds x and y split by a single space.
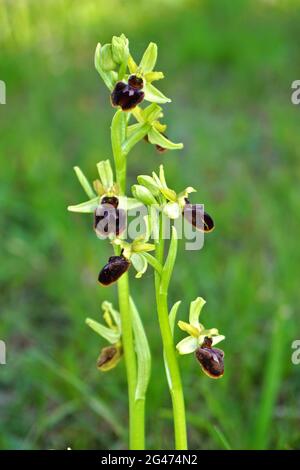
229 67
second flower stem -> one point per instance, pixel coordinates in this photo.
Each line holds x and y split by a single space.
173 372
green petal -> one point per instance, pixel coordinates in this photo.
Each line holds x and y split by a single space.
169 194
187 345
217 339
85 207
108 307
105 173
195 310
84 182
153 95
141 246
110 335
188 328
128 203
139 263
162 176
153 76
172 210
131 64
149 58
155 137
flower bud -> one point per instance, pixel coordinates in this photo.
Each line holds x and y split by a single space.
107 62
120 49
149 183
211 359
113 270
143 194
109 357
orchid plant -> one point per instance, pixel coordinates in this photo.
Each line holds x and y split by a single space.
130 85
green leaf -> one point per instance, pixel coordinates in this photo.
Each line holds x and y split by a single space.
107 333
84 182
85 207
143 353
139 263
149 58
105 173
156 138
153 95
96 404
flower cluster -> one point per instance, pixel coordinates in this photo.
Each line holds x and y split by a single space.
130 85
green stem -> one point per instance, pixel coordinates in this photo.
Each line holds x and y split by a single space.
136 406
173 373
136 418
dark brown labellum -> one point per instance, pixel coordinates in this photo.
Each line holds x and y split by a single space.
113 270
128 95
211 359
108 219
106 355
109 357
112 200
199 219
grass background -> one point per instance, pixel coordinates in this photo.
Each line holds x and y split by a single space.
229 68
